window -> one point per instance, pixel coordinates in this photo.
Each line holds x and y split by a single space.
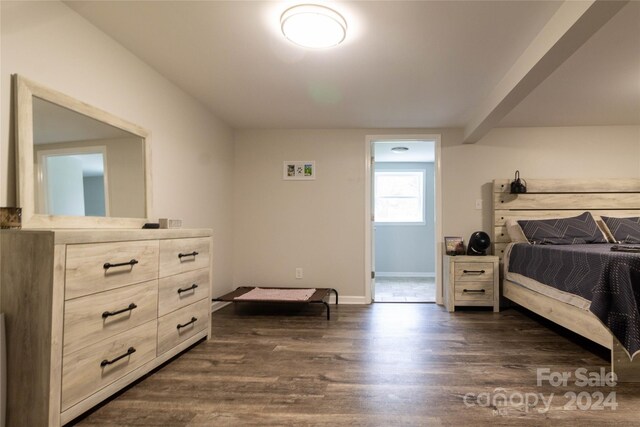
399 197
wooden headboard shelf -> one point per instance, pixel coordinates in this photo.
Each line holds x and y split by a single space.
554 198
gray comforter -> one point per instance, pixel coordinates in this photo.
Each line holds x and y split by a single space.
610 280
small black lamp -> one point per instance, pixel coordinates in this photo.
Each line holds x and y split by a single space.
518 185
479 242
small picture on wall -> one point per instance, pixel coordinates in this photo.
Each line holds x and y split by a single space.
454 245
299 170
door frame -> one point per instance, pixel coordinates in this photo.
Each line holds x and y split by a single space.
368 252
40 171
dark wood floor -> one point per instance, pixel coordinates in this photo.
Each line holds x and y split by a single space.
378 365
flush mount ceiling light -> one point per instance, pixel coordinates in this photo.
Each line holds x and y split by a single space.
399 149
314 26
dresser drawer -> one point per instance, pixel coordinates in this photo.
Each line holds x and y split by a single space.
87 371
474 291
182 289
92 318
473 272
181 255
178 326
95 267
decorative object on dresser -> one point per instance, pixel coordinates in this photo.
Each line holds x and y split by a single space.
170 223
562 198
10 218
471 281
479 242
90 311
454 246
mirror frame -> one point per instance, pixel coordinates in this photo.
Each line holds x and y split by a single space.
24 91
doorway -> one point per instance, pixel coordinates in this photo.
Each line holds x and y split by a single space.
72 181
404 222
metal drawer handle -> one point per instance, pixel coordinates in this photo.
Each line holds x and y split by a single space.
193 319
190 288
108 265
473 291
106 362
181 255
113 313
473 271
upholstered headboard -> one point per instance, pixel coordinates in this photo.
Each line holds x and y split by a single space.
553 198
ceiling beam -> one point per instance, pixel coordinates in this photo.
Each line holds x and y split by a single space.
568 29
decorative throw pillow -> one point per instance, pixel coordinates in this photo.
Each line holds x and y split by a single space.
515 231
563 231
605 230
624 230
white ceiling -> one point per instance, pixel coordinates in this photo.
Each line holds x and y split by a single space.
597 85
419 151
404 64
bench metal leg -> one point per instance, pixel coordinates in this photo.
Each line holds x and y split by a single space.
328 310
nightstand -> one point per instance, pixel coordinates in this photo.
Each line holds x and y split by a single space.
471 280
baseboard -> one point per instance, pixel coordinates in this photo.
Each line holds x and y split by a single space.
404 274
217 305
348 300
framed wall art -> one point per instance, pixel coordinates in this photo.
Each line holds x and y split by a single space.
299 170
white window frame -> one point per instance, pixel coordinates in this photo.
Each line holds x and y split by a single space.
395 171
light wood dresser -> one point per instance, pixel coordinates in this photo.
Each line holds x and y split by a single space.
471 280
90 311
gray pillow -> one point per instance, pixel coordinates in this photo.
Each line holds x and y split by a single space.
563 231
624 230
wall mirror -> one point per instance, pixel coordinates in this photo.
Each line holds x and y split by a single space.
78 166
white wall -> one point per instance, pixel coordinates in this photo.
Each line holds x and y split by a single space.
64 178
192 151
555 152
319 225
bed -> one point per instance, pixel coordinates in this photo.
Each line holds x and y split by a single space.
569 307
253 294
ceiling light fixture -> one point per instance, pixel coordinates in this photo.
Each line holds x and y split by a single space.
314 26
399 149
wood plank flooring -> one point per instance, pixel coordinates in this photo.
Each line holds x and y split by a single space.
377 365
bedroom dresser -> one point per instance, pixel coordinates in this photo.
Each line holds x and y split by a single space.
90 311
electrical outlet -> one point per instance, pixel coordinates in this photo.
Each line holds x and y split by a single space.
299 273
479 204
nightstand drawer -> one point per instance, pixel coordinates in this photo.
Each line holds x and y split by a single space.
473 272
474 291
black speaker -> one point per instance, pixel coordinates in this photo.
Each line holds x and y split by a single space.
479 242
